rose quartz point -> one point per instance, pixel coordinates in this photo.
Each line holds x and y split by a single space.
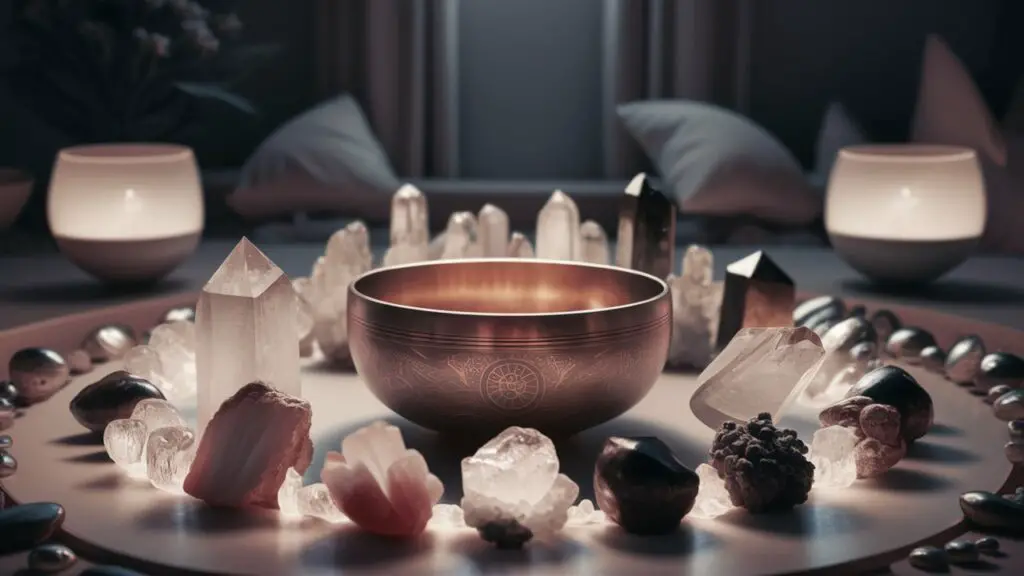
248 447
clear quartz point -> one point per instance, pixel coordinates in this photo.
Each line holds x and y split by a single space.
246 330
519 246
833 453
461 239
169 455
494 230
558 229
712 497
125 443
315 501
410 227
761 370
593 243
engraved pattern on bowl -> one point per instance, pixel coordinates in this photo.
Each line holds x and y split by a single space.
560 371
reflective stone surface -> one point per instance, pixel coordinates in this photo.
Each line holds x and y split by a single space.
27 525
964 360
1000 368
51 558
109 342
37 373
908 343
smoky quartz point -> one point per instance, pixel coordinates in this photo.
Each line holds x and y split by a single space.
757 294
647 229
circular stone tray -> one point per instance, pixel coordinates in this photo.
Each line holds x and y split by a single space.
112 518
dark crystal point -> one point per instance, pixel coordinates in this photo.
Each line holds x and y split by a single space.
647 229
641 485
757 294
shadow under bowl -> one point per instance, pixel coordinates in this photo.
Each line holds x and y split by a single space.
476 346
129 262
902 262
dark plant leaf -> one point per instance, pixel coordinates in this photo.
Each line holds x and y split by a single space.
217 93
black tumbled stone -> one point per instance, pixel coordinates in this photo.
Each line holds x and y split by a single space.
28 525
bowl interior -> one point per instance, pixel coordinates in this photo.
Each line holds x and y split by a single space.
508 286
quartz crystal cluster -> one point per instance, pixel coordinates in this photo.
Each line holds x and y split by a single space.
712 497
382 486
696 302
513 490
314 500
246 331
154 443
833 451
168 360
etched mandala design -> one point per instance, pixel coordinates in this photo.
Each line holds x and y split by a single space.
512 384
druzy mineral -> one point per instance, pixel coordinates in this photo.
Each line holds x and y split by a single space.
246 331
382 486
764 467
250 443
642 486
757 293
647 228
696 301
410 229
558 228
761 370
513 491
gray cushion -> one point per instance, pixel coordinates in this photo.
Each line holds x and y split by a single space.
326 159
719 163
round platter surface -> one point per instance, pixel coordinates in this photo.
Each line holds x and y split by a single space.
865 526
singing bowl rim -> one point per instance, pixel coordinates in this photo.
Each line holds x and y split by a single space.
663 289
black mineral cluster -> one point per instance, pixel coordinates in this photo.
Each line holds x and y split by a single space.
764 468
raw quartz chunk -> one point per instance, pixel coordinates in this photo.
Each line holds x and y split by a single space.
833 453
315 501
584 513
513 491
712 496
125 443
696 302
168 360
249 445
558 228
383 487
169 455
447 516
759 371
461 237
305 320
156 414
410 230
288 495
346 257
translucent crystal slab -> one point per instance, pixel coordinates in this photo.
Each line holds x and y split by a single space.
761 370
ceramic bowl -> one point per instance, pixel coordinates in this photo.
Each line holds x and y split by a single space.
475 346
905 214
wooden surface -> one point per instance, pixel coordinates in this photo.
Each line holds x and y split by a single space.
862 528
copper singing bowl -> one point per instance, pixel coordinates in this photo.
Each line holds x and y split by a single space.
475 346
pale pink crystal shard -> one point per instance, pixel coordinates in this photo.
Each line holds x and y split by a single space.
248 447
382 486
761 370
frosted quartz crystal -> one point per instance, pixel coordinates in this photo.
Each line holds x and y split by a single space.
696 302
519 246
246 330
168 360
125 443
833 453
248 447
315 501
288 494
493 224
346 257
558 229
410 229
169 455
156 414
382 486
712 496
584 513
593 243
305 319
461 237
447 516
513 491
761 370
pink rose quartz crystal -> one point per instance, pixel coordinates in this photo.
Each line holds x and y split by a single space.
383 487
248 447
